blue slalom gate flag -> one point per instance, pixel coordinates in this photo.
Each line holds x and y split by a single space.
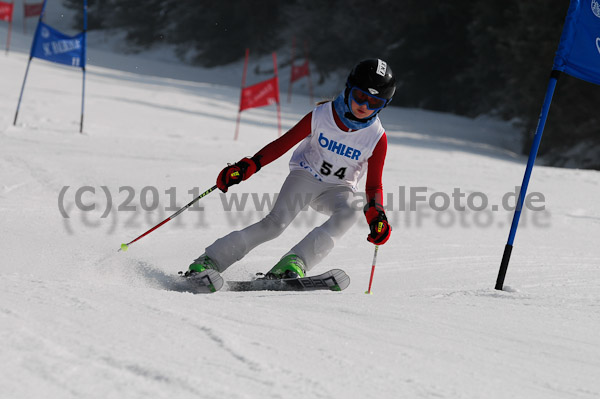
52 45
579 49
578 55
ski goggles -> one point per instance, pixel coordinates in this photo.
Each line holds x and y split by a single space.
360 97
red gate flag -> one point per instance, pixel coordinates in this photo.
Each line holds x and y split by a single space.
6 11
300 71
33 10
260 94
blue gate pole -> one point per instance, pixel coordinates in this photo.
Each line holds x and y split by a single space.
22 89
83 60
82 100
532 155
35 37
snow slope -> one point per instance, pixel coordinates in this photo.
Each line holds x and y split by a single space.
79 319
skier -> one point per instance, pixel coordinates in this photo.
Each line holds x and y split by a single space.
340 139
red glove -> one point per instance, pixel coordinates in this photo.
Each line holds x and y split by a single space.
380 228
234 174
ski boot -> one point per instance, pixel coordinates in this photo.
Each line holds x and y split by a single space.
204 275
290 266
200 265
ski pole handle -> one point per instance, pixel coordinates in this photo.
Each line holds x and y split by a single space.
372 269
124 247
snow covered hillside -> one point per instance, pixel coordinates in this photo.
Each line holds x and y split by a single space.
80 320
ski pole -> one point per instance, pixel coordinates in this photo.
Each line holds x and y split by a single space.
124 247
372 270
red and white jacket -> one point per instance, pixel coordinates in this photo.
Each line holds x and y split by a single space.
333 153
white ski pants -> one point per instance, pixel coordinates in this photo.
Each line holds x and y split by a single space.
299 190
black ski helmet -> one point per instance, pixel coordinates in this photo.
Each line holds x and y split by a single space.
373 76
